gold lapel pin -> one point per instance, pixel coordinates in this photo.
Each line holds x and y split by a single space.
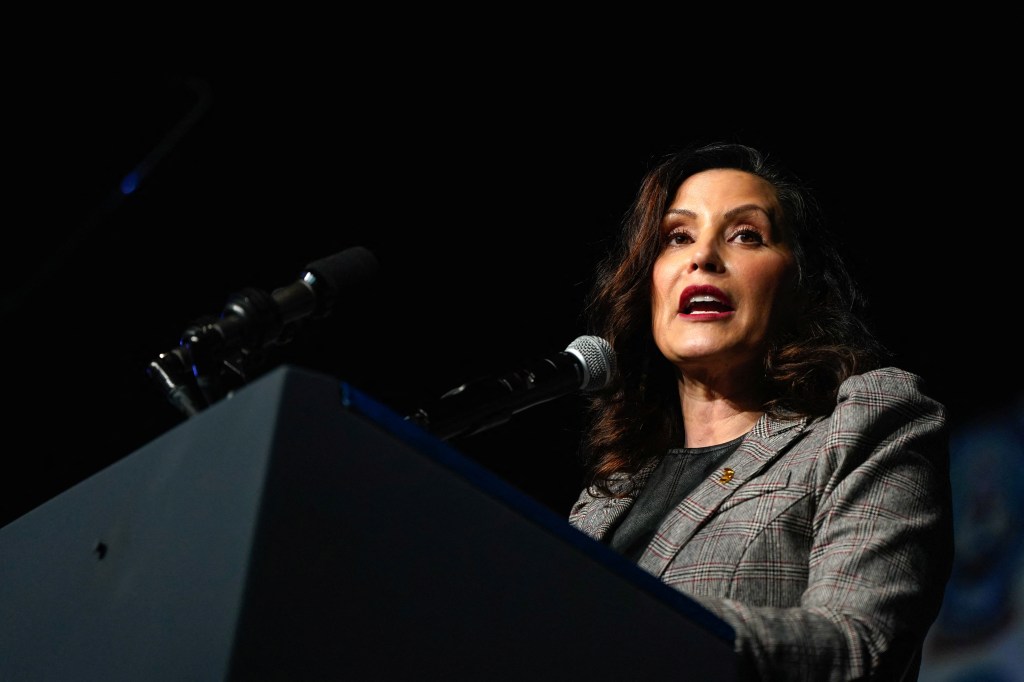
726 475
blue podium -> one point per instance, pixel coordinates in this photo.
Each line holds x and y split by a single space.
299 530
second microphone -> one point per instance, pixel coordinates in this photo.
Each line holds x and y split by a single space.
587 364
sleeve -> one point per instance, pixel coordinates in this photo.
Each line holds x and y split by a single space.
882 550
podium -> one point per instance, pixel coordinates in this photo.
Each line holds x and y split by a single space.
299 530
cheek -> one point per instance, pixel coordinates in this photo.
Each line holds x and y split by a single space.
662 280
777 288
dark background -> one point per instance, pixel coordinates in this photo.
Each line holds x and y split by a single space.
486 191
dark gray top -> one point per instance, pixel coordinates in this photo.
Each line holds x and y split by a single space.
678 472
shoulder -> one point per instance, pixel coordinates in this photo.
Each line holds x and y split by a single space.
593 512
888 398
888 391
883 414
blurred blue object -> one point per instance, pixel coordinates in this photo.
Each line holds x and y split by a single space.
979 634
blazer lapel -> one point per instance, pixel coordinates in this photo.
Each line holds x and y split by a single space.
765 442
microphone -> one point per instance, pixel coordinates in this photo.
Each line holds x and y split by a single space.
586 365
190 375
252 319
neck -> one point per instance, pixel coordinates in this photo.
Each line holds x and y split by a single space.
711 417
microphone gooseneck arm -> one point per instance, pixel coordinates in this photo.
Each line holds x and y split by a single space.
474 407
587 364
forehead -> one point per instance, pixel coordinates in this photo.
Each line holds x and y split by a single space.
721 187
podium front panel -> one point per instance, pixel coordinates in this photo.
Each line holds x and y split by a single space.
299 530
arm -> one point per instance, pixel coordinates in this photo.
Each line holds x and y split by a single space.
881 547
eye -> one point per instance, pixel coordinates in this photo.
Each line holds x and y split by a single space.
676 238
747 235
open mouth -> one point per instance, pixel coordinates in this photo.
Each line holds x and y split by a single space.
704 305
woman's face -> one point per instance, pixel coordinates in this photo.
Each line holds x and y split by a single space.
724 274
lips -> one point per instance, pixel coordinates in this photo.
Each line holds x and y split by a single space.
704 300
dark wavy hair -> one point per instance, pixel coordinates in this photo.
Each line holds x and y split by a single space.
638 416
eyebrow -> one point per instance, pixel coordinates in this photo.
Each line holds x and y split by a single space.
732 213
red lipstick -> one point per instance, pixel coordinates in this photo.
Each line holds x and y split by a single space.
705 302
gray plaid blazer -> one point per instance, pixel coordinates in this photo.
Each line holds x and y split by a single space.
825 543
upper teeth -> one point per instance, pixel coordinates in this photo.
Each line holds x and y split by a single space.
703 299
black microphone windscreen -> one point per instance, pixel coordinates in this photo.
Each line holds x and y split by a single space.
335 277
345 269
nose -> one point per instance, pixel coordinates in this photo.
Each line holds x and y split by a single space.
705 256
